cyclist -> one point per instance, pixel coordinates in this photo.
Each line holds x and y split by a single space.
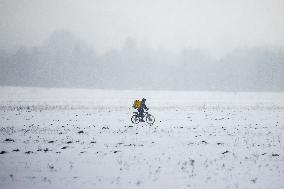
141 109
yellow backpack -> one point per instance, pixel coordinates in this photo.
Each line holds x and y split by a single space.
136 104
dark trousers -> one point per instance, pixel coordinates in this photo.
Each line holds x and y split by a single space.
141 113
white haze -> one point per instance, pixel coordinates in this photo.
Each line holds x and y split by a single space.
217 26
175 45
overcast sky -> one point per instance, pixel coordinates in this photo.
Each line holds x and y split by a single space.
217 26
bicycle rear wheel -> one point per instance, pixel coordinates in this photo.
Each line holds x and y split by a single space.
135 119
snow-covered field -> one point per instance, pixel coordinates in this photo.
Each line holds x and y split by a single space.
77 138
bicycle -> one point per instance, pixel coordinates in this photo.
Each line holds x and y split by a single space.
150 119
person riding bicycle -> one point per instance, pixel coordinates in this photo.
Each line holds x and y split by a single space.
141 109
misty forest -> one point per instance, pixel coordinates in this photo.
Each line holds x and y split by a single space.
64 60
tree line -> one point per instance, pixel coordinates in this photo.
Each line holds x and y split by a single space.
63 60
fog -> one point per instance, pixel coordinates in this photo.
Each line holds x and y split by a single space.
173 45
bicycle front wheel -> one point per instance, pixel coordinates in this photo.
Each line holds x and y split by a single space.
150 119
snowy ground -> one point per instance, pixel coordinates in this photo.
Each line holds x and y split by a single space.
66 138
